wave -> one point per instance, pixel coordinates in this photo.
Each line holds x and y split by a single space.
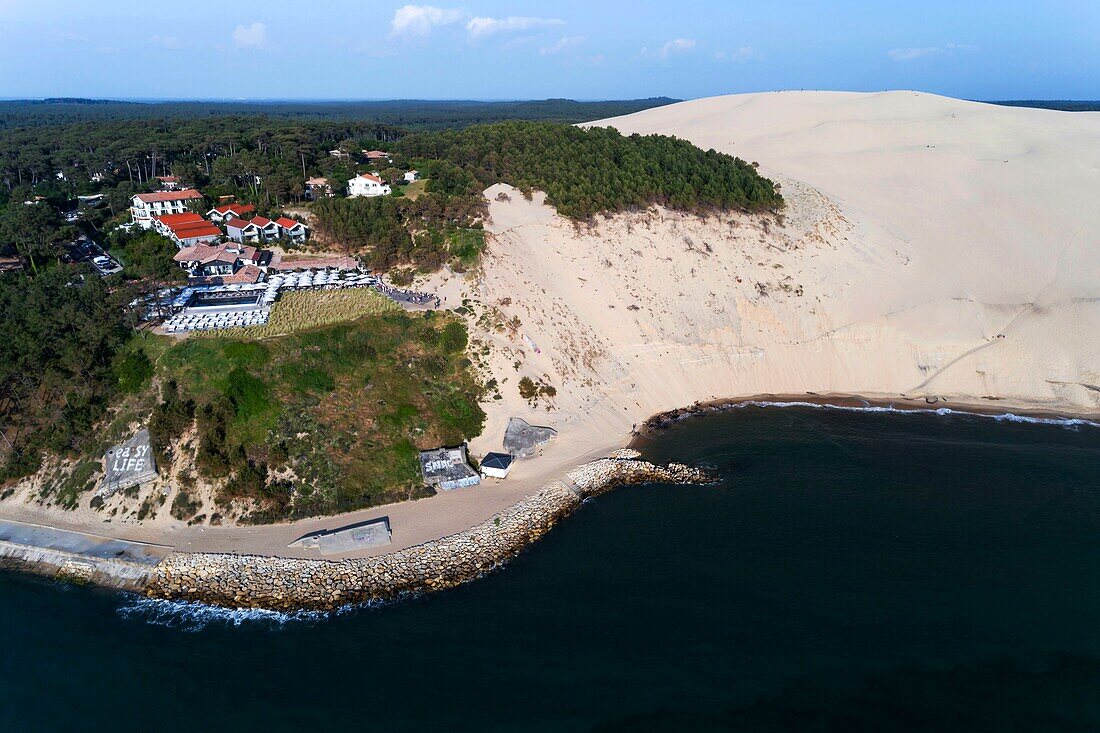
1067 422
193 616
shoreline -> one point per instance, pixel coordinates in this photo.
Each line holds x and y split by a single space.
1002 409
282 582
285 584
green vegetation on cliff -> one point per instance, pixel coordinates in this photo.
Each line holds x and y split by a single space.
318 421
589 171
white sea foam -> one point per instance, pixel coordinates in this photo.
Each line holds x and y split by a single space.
192 616
1068 422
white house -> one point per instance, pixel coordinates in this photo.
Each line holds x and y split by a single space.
144 206
186 229
222 214
496 465
293 230
240 230
227 260
266 229
411 176
169 183
367 184
316 187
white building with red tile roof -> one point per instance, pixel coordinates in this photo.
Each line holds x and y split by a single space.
202 260
169 183
367 184
186 229
266 229
240 230
144 206
221 214
293 230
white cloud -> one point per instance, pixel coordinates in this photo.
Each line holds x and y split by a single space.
676 45
250 36
745 53
168 42
480 27
566 43
419 20
909 54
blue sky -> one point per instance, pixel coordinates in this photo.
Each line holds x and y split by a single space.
486 49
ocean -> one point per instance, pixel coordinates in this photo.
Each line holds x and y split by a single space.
852 571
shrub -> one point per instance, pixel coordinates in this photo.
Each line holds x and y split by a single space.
133 371
453 338
527 388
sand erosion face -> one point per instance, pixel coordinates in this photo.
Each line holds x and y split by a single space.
930 247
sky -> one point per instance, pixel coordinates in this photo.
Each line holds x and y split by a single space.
580 49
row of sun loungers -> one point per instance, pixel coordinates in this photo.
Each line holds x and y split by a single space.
191 321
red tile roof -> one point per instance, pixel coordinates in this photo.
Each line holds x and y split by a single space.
174 220
237 223
237 209
247 252
186 194
370 177
247 274
205 229
261 222
198 253
209 253
377 154
287 223
169 179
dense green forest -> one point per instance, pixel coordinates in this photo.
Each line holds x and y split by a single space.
406 113
228 152
59 362
584 172
589 171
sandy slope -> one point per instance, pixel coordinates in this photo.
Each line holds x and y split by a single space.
931 248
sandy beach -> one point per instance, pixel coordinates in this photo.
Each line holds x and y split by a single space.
934 252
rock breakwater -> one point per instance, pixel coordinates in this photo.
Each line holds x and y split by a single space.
285 584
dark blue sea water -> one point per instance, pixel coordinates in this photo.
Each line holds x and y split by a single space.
853 572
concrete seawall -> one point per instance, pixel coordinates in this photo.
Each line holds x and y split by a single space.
290 584
74 567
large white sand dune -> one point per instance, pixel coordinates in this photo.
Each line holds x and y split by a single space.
931 247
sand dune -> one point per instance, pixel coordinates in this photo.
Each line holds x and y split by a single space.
931 248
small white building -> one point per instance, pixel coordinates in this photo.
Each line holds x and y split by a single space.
169 183
367 184
411 176
496 465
